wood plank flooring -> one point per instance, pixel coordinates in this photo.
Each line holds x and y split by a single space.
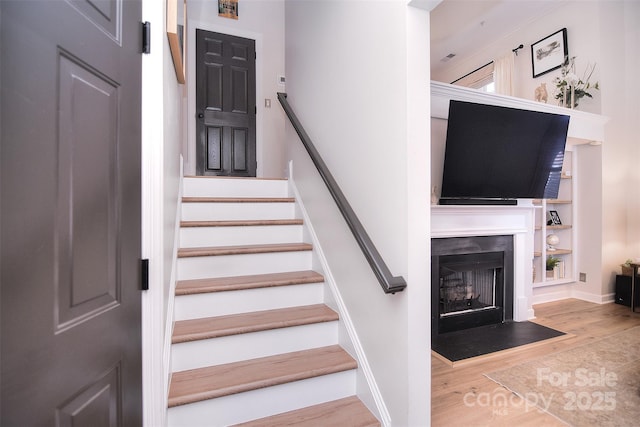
458 395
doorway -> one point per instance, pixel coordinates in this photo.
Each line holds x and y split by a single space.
225 105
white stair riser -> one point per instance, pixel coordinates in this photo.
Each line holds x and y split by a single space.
264 402
220 187
234 348
237 211
192 237
243 301
240 265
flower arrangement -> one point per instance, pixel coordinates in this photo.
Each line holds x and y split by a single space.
569 87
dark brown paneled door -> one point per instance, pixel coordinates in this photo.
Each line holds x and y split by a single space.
70 219
225 104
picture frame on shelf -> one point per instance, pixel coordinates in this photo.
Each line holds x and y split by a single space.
553 218
549 53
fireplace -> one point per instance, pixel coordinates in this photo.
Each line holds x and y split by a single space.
472 282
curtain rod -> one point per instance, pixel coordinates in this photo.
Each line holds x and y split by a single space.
516 49
468 74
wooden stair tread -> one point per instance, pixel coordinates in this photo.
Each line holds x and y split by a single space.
349 411
234 324
195 199
243 249
240 178
221 284
240 223
195 385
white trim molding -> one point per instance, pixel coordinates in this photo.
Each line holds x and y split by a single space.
517 221
584 128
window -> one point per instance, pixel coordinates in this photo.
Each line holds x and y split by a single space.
481 78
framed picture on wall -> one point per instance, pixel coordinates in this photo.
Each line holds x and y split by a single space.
228 8
549 53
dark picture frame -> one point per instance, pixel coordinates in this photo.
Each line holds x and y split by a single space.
228 9
553 218
549 53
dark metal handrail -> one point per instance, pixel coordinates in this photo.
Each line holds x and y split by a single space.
390 284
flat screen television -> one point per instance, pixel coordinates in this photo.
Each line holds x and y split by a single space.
496 155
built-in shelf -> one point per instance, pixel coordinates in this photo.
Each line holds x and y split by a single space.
553 227
538 202
552 253
564 207
558 227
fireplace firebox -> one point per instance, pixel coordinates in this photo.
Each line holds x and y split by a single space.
471 282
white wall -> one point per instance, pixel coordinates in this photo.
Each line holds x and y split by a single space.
262 21
619 50
348 81
161 103
581 21
632 118
604 32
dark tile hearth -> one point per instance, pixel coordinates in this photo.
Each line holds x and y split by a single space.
473 342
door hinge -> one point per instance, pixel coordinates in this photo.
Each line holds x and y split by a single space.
144 274
146 37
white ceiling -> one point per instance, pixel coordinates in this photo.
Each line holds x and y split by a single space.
463 26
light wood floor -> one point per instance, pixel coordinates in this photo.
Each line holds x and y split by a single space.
458 395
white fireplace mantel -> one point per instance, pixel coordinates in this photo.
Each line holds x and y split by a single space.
583 127
517 221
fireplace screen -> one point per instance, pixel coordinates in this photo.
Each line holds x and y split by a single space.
470 290
463 291
471 282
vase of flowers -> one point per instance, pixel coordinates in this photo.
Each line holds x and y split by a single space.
569 87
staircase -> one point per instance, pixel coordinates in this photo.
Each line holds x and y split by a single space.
253 343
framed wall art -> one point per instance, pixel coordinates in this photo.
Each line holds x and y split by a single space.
549 53
228 9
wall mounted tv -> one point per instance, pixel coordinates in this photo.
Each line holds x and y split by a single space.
496 155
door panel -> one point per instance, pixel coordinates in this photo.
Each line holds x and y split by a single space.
96 405
225 100
70 220
86 235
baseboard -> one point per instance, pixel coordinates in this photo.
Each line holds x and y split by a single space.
595 298
172 286
551 297
571 293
